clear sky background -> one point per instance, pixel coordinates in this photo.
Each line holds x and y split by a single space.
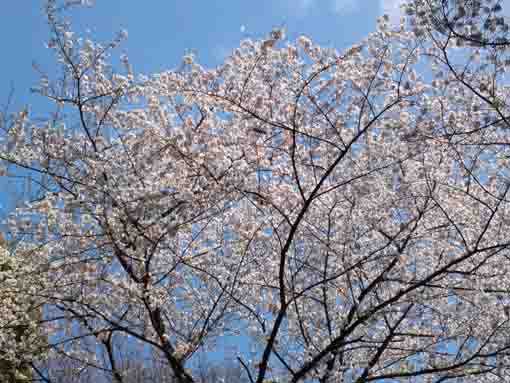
160 31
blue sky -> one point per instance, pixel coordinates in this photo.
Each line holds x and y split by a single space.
160 31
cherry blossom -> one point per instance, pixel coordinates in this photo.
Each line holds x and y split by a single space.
344 212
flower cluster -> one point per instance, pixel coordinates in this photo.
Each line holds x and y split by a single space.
345 212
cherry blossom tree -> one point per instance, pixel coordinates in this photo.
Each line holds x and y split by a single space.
345 214
21 339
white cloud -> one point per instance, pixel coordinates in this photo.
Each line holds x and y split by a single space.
392 9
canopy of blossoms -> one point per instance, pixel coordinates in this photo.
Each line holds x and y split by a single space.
344 213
